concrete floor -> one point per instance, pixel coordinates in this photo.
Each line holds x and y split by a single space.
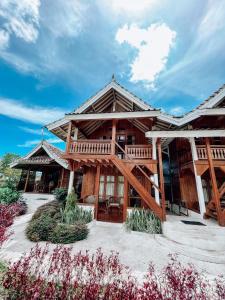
136 249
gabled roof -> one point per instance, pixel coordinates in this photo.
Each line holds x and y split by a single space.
120 89
53 152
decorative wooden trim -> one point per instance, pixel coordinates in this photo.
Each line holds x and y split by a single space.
185 133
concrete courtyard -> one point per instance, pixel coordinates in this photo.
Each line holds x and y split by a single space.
203 246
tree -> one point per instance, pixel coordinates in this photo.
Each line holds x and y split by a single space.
10 177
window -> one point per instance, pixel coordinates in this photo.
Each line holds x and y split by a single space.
110 185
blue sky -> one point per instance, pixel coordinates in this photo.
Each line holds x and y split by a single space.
56 54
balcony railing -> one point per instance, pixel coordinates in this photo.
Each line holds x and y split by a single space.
218 152
139 151
95 147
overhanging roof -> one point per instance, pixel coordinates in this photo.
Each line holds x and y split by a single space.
54 154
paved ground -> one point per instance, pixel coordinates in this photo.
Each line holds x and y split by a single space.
136 249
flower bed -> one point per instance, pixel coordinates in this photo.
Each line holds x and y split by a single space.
63 275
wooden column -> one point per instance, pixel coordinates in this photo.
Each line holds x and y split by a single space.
198 180
27 180
216 193
155 175
68 139
62 177
96 191
125 201
163 200
114 122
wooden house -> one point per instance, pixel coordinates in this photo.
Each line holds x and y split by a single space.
123 153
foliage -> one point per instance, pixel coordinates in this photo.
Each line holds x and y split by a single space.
71 201
9 196
77 214
51 209
3 269
62 275
60 194
7 215
10 176
143 220
23 207
40 229
66 234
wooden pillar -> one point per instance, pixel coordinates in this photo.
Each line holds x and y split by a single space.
96 191
27 180
155 176
163 200
62 177
68 139
216 193
114 122
75 136
198 180
125 201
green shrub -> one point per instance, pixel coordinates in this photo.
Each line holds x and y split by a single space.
41 228
71 201
66 234
9 196
51 209
60 195
77 214
143 220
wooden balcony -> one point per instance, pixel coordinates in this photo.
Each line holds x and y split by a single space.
91 147
218 153
139 151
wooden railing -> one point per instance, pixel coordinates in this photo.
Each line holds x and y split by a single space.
95 147
218 152
139 151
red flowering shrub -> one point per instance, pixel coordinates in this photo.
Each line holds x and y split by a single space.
7 214
63 275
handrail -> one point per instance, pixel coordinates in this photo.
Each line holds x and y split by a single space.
139 151
143 172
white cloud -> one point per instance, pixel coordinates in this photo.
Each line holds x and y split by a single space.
153 45
32 143
131 6
33 114
64 19
34 131
4 39
21 18
177 110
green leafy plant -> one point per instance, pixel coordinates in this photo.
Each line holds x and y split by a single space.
60 194
41 228
143 220
51 209
65 234
9 196
74 213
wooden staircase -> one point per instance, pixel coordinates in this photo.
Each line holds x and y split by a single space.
218 213
141 190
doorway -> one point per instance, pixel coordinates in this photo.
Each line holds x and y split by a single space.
111 197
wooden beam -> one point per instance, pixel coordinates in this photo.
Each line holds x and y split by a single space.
96 191
214 183
125 199
68 139
163 200
186 133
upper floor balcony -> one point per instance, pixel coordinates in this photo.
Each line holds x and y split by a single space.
217 152
108 147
